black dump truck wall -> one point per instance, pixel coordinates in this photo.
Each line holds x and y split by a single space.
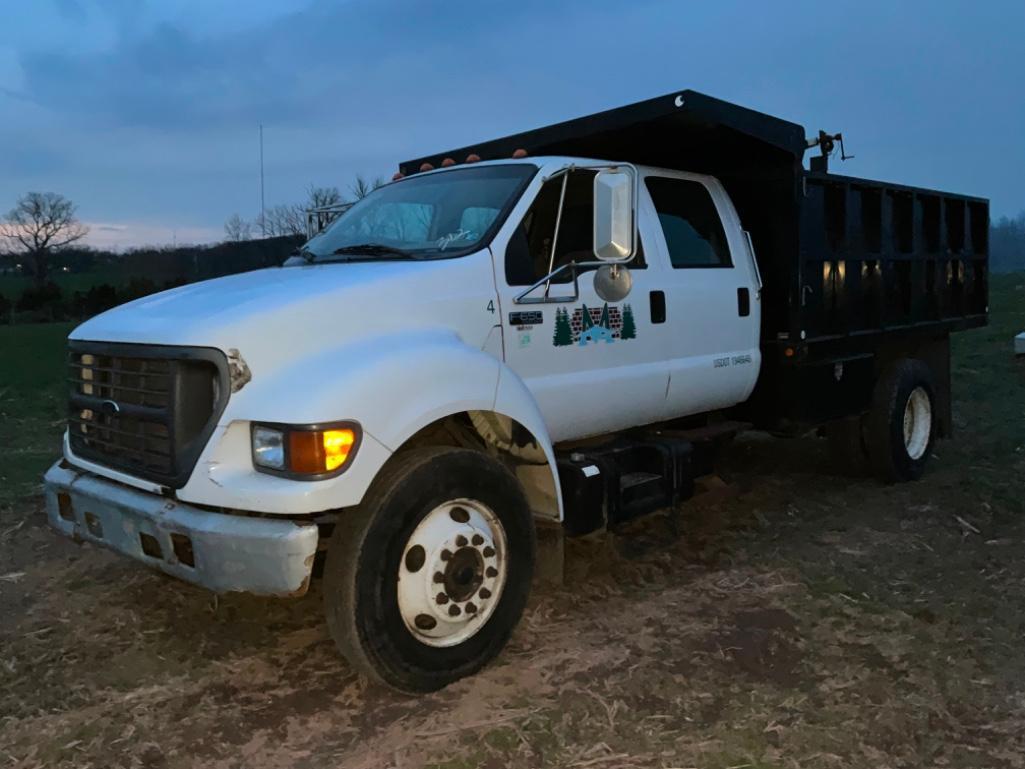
855 272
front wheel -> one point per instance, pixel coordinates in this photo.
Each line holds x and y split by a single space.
426 579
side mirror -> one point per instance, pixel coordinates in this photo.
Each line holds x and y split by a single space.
615 220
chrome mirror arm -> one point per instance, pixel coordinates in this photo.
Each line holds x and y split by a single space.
522 297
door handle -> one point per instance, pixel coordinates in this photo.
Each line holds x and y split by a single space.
658 306
743 302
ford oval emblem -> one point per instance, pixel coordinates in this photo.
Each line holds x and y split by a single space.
110 408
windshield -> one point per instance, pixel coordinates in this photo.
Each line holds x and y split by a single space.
430 216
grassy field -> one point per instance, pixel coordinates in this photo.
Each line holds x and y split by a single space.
12 286
789 618
33 403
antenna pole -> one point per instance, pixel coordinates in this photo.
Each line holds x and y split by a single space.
263 208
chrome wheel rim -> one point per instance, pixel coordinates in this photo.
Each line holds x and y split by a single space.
917 423
452 573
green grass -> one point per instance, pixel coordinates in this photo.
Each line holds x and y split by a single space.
32 403
12 286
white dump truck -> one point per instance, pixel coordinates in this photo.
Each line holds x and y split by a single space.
551 331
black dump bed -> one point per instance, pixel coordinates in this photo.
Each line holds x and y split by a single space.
844 261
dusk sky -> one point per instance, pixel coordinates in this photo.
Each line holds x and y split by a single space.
146 114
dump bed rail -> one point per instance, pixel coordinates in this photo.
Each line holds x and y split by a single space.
878 257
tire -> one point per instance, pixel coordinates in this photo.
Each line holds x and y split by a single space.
848 451
383 600
902 423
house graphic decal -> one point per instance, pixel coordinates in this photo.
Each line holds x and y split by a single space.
592 325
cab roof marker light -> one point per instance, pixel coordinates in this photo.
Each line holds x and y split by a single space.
520 153
447 162
398 175
473 157
426 167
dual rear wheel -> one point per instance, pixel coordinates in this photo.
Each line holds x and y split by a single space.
895 439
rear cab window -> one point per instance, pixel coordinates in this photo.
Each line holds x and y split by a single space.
690 222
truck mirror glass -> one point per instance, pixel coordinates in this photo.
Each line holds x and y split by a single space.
614 219
612 282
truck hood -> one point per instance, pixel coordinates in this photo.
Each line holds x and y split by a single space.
284 311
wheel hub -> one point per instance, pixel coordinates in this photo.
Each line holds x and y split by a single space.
464 574
452 573
917 423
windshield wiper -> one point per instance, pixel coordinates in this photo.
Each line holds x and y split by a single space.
374 249
305 253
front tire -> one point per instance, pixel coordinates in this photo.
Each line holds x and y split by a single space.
902 424
426 578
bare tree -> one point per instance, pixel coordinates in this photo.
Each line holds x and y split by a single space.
362 187
237 229
290 220
285 220
319 197
1007 244
40 224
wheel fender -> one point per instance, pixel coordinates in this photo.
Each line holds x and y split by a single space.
510 398
394 386
389 384
514 400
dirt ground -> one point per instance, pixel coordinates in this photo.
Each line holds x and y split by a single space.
791 617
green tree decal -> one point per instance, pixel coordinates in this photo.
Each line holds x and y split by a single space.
563 335
629 330
585 317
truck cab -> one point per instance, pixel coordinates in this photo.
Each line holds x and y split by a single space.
476 350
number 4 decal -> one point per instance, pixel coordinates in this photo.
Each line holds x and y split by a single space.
491 307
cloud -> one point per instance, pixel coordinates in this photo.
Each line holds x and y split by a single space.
146 111
326 60
122 235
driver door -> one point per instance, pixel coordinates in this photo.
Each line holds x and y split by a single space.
593 367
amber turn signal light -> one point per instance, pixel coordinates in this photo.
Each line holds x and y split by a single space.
319 451
304 452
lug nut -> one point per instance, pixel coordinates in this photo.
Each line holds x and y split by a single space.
454 611
478 540
471 609
491 571
442 598
484 593
445 555
461 541
489 551
439 577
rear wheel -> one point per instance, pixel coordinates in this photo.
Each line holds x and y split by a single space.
426 579
902 422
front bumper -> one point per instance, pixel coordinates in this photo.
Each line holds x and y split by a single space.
218 551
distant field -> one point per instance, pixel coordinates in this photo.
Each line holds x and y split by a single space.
12 286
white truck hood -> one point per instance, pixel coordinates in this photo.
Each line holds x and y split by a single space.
279 313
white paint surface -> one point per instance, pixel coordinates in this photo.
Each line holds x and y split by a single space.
396 345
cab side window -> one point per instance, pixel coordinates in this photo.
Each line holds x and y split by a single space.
691 225
529 251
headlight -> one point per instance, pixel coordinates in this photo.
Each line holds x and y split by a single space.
307 452
268 447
